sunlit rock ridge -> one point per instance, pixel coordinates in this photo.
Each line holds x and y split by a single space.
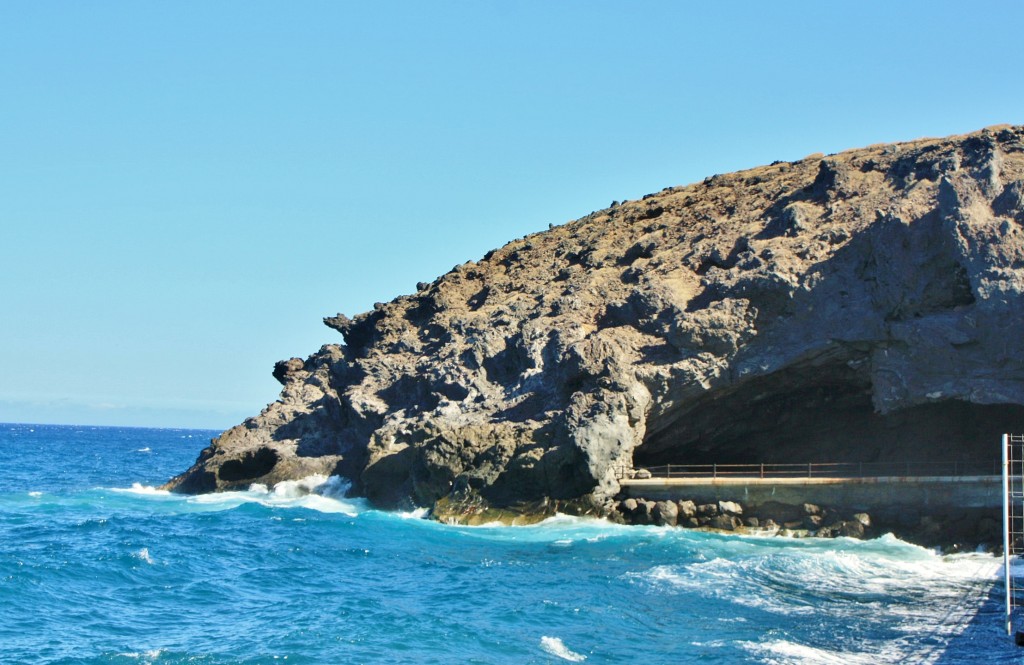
863 306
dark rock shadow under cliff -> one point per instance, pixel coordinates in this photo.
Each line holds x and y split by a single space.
825 414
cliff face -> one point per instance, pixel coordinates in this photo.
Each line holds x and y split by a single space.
865 306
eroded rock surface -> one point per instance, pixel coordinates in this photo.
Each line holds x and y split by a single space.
864 306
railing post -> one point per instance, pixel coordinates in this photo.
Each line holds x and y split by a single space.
808 469
762 470
1007 540
714 470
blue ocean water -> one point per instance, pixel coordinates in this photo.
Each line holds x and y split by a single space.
96 566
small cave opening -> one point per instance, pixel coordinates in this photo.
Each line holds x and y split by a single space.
821 411
253 464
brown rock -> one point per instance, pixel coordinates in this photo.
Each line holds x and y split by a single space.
687 509
730 508
707 509
726 522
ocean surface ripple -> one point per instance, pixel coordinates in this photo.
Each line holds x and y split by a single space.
97 566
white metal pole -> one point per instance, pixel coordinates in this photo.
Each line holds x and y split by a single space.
1006 531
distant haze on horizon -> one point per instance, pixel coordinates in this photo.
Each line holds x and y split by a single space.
187 188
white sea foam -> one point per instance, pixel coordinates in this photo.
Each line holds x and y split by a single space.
292 489
35 495
334 487
147 657
143 555
555 647
782 652
714 644
878 566
325 494
147 449
920 593
139 488
556 528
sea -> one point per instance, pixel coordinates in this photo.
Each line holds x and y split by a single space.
97 565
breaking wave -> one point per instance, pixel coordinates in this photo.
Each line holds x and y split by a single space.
556 647
916 597
324 494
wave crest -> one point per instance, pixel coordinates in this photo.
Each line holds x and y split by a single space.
325 494
556 647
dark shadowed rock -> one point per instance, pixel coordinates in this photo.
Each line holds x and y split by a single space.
285 369
851 529
812 521
707 510
726 522
859 307
645 512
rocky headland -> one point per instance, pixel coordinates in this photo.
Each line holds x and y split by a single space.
858 307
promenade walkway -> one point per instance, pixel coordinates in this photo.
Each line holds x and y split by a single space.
840 470
932 484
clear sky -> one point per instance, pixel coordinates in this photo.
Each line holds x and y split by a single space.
187 188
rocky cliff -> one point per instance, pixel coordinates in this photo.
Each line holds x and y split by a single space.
865 306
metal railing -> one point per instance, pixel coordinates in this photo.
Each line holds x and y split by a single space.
1013 520
814 470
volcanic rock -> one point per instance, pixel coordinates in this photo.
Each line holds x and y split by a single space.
686 508
666 513
726 522
860 307
730 508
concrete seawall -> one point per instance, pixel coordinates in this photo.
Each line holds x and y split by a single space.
926 493
952 512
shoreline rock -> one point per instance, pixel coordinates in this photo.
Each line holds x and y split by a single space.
954 531
851 307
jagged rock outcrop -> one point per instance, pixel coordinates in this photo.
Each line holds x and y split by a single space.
864 306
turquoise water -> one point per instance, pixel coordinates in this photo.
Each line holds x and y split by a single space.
96 566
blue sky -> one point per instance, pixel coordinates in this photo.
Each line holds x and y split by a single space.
187 188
